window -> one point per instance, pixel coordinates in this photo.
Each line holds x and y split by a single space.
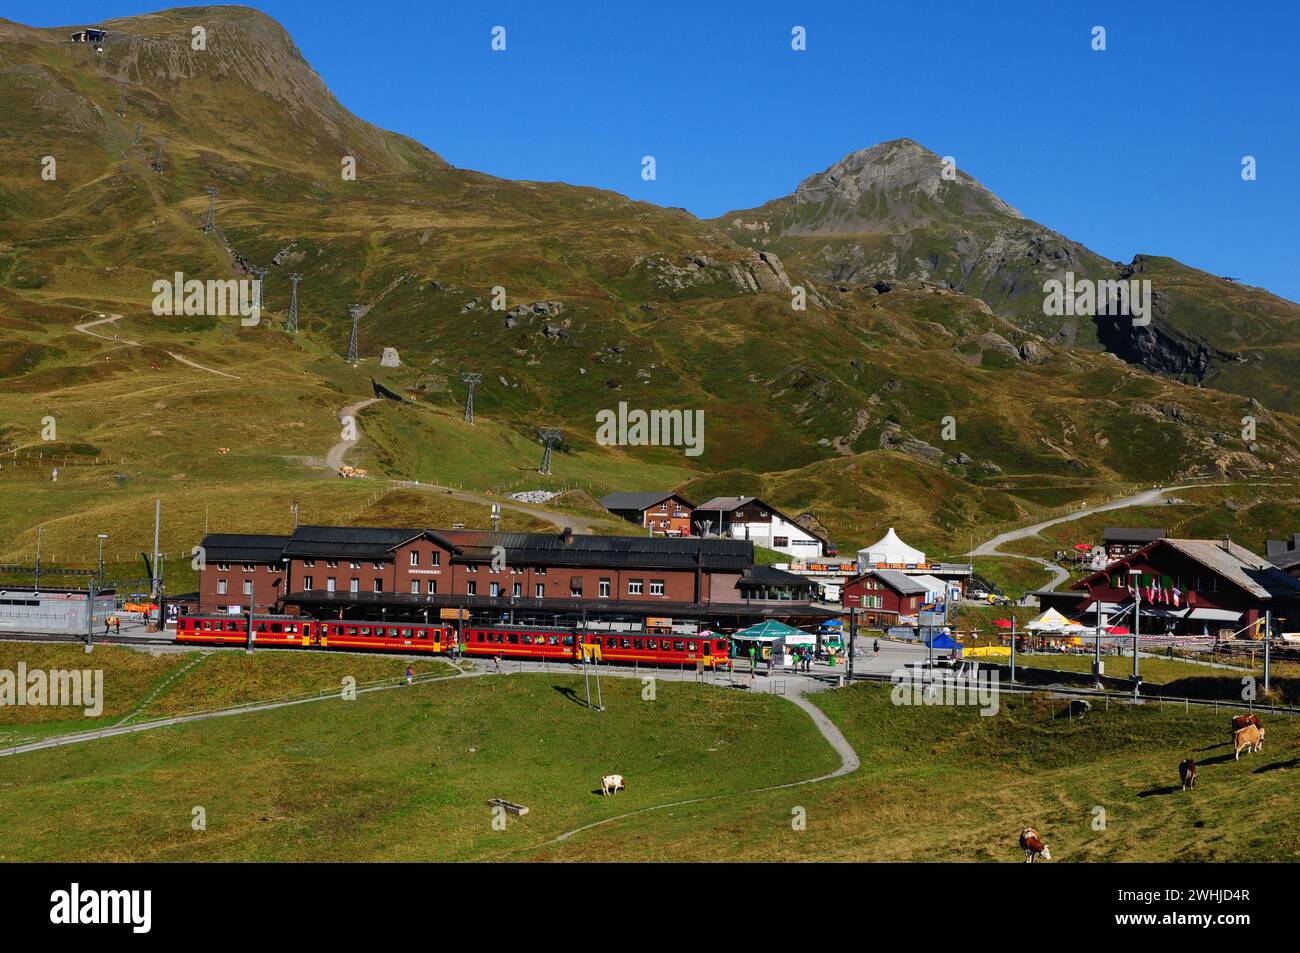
355 563
329 584
433 587
250 567
435 558
540 590
604 589
331 564
354 585
248 587
471 568
306 583
415 587
377 564
494 590
309 563
518 590
780 541
379 585
635 587
415 558
656 587
221 587
471 588
575 587
223 567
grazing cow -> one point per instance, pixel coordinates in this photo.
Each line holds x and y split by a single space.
1033 846
611 783
1248 739
1241 721
1187 771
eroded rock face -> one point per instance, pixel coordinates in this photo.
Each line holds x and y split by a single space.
389 358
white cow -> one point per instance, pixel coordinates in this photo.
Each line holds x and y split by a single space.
611 783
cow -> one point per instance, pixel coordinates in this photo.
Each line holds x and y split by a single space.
1241 721
1248 739
1187 772
611 783
1033 846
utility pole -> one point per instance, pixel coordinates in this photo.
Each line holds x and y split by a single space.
853 638
102 537
39 531
550 437
1137 623
1268 652
90 613
249 647
470 380
293 508
1096 658
356 311
211 223
1013 648
157 562
293 303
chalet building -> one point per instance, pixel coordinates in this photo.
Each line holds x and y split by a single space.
665 513
882 596
1121 541
90 35
749 518
417 574
238 567
1191 586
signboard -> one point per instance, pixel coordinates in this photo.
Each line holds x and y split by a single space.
453 613
658 624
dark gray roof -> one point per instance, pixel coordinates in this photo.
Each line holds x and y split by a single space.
243 548
900 582
1132 534
756 576
362 542
1239 565
638 501
639 552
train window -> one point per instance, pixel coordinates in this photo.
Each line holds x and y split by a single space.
637 643
365 630
690 646
277 627
514 639
677 646
324 630
351 630
552 640
720 646
566 640
526 639
421 633
611 643
207 625
625 643
652 644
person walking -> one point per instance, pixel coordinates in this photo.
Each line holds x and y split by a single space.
876 647
108 621
409 673
117 625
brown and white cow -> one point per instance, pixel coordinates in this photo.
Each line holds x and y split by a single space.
611 783
1187 772
1247 739
1033 846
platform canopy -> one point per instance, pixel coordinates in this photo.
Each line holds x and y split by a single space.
890 549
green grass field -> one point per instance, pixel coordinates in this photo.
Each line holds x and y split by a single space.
405 775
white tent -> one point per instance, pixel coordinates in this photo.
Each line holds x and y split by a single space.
890 549
1053 621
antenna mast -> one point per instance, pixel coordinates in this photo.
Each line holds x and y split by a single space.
293 303
356 311
470 380
550 438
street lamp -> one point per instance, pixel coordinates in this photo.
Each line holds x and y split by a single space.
101 537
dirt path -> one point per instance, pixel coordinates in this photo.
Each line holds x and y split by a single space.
1145 498
85 327
334 460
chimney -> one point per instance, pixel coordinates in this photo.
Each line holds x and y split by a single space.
567 536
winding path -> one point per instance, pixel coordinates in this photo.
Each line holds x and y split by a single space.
85 327
1145 498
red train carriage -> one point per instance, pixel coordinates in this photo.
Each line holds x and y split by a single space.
285 631
507 641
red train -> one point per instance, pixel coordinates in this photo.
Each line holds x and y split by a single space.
507 641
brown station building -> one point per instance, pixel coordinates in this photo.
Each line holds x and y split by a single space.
383 573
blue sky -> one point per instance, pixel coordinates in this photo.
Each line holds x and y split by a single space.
1137 149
